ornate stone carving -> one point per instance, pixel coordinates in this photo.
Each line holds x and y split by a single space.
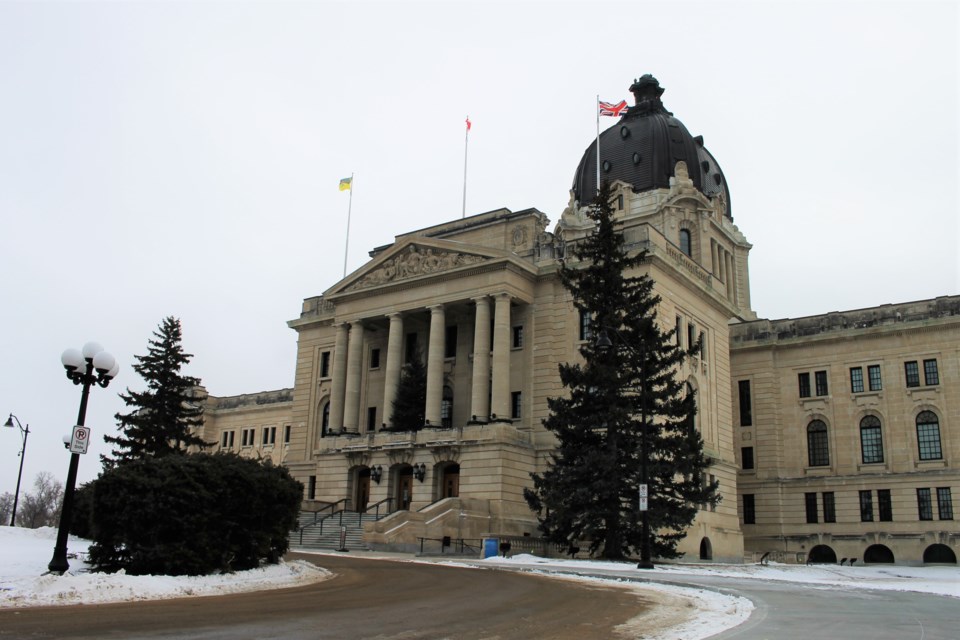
414 261
519 236
400 456
358 459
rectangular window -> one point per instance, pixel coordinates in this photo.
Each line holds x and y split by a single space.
691 335
311 488
286 434
371 418
517 342
516 399
924 504
749 509
269 435
866 506
230 445
930 374
703 345
586 333
856 379
884 505
374 358
873 374
811 503
829 507
746 413
678 331
746 457
224 440
803 379
410 348
912 373
928 436
450 342
821 378
325 364
945 503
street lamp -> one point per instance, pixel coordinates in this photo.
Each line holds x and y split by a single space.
603 345
90 366
24 432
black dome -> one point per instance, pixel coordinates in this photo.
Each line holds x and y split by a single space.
643 149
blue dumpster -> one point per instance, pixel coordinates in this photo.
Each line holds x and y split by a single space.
490 547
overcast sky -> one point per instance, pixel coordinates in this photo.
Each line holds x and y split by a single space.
183 158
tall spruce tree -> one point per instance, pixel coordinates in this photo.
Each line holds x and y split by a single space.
166 416
411 400
622 394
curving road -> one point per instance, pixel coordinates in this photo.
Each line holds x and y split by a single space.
791 611
367 599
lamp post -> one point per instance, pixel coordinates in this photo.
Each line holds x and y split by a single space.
603 345
90 366
24 432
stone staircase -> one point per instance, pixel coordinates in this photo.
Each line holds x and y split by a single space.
324 533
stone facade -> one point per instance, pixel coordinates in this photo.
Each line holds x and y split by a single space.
847 422
830 436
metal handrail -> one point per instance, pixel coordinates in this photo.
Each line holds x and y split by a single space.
460 543
320 521
377 505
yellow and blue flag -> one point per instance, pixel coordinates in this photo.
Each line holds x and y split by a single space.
345 184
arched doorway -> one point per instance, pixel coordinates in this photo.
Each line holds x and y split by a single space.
404 488
822 554
362 494
706 549
939 554
878 554
450 487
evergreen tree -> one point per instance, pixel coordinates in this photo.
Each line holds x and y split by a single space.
623 400
409 406
166 416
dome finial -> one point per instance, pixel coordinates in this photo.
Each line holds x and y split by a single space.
646 95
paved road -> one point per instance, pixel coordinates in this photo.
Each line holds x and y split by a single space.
788 611
368 599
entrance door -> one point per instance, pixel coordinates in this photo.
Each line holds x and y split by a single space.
451 482
363 490
404 489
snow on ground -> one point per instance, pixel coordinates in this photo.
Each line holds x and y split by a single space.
940 580
25 553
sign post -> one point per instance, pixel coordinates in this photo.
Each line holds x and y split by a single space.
79 439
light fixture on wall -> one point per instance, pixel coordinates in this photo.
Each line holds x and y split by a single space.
376 473
420 471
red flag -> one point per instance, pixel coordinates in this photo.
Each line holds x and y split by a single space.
468 123
615 110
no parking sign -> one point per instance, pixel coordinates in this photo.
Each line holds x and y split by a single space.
80 439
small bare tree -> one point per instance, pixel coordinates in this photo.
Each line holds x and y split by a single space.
42 507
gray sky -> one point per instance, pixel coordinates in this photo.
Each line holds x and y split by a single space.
182 159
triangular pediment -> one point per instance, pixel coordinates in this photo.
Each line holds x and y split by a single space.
414 258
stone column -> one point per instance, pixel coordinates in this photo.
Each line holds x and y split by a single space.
438 331
501 358
351 399
394 364
339 378
713 256
728 265
480 392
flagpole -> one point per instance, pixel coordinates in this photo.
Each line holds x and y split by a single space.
597 106
466 142
346 248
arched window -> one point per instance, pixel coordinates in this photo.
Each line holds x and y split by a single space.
685 242
928 436
325 419
818 446
446 407
871 440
